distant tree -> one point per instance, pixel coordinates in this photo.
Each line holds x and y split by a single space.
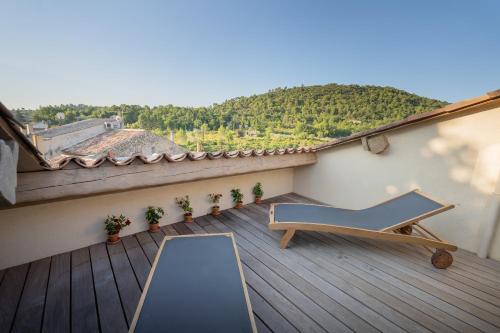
330 110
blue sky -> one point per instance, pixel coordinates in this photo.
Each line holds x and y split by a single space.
200 52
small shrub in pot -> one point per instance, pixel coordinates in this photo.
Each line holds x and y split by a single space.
215 199
258 193
113 224
185 204
237 197
153 216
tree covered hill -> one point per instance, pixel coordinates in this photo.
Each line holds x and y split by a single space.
330 110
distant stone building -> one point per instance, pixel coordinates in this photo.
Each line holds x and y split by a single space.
40 126
124 143
52 141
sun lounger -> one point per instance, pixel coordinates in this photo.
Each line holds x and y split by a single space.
196 284
393 220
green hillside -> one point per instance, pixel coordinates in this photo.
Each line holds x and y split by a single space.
300 113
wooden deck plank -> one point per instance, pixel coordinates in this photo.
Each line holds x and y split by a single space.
57 316
327 286
435 301
10 294
426 315
260 307
323 282
158 236
453 295
148 245
464 288
302 279
169 230
181 228
396 288
111 316
472 257
202 222
261 327
273 319
195 228
30 312
137 258
83 303
286 288
458 272
442 300
452 276
289 310
128 286
488 280
467 258
485 321
384 292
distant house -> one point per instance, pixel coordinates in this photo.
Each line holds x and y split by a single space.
52 141
40 126
124 143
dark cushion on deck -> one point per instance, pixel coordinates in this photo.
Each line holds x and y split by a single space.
196 287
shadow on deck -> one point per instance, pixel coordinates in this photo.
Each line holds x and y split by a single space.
322 283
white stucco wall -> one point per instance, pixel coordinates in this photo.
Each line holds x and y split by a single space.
455 159
33 232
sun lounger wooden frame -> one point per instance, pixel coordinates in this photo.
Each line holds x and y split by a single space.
401 232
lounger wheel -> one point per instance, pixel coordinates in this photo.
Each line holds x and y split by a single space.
441 259
406 230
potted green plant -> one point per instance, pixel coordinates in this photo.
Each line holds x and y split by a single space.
113 225
185 204
153 216
237 197
258 192
215 199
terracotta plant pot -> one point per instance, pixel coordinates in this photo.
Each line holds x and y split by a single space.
113 239
258 200
154 227
188 217
239 204
215 211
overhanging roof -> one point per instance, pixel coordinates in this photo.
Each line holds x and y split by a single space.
30 159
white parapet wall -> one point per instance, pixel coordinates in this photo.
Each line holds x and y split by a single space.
456 159
37 231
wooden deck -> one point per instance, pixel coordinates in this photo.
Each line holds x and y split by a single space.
322 283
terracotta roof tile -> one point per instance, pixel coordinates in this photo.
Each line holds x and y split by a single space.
124 142
60 163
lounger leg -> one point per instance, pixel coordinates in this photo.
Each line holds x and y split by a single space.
286 238
441 259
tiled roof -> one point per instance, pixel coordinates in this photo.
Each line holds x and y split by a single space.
124 142
70 128
156 158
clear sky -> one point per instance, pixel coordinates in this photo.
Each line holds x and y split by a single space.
199 52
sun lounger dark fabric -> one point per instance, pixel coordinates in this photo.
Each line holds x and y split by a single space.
196 287
378 217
